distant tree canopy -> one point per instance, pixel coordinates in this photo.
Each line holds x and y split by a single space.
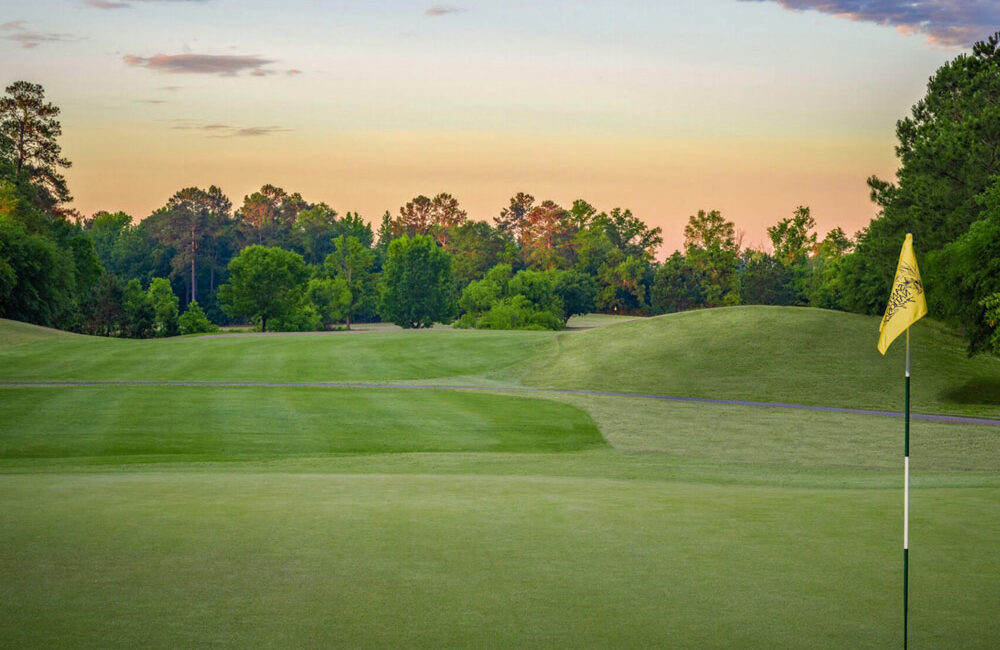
279 261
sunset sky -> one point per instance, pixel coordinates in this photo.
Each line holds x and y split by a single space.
748 107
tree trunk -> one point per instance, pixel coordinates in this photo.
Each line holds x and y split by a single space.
193 285
348 319
263 323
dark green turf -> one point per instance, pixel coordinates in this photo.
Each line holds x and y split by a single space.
183 424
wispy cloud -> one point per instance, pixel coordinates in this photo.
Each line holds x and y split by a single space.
125 4
225 65
219 130
293 72
253 131
15 30
948 22
440 10
151 101
105 4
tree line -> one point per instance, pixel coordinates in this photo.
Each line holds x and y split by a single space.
280 262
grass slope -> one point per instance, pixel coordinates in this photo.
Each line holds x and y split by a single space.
783 354
693 526
805 356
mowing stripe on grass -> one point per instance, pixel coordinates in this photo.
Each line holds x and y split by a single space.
948 419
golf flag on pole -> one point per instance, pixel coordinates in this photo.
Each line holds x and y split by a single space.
907 304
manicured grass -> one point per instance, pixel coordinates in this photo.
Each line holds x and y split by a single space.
798 355
335 356
179 424
727 434
187 516
805 356
328 560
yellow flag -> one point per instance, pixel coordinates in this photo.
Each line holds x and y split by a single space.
907 304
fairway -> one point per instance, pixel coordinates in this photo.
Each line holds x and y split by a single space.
281 516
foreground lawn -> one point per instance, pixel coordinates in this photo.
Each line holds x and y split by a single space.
285 516
199 558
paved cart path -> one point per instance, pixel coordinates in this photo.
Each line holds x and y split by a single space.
952 419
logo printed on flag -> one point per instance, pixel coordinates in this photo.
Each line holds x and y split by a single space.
907 303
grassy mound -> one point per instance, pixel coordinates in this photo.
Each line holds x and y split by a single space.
14 332
781 354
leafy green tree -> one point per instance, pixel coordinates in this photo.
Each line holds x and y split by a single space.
475 248
965 273
518 313
313 231
511 219
105 229
40 276
264 283
436 217
480 295
620 288
947 149
527 300
416 283
991 317
267 216
593 249
303 319
539 288
629 234
791 238
194 321
678 285
824 288
351 262
140 314
547 233
28 135
766 280
109 317
384 237
710 243
353 225
165 306
331 299
577 291
189 222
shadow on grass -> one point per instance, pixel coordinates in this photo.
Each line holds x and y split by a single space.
976 391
